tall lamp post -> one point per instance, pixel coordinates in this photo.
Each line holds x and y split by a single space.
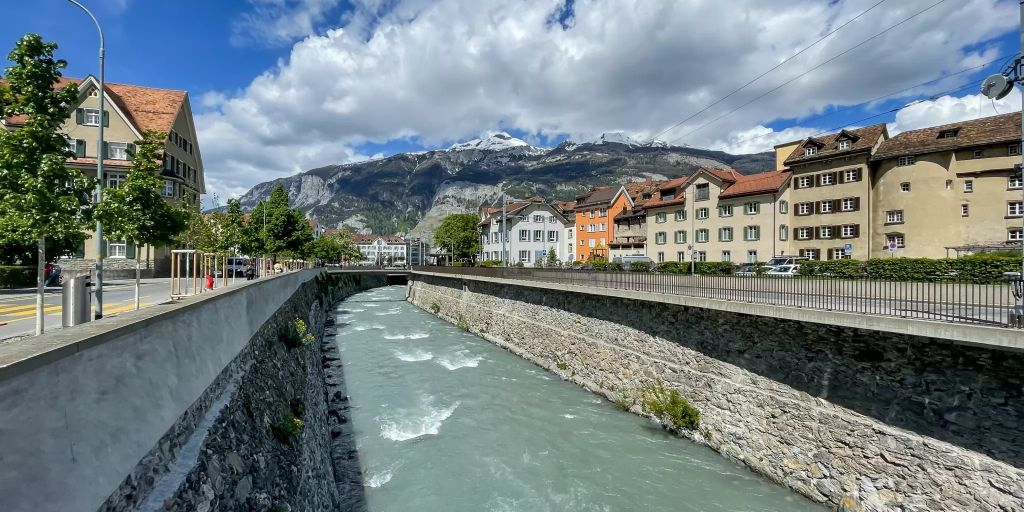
99 166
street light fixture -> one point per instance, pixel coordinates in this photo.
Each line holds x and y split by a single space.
99 167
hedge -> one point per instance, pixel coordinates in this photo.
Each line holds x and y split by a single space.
701 267
640 266
17 276
609 266
978 269
491 263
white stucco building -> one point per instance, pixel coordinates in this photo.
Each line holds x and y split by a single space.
534 227
382 250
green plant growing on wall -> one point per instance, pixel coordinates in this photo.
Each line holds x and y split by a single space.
296 334
562 366
287 428
668 404
435 308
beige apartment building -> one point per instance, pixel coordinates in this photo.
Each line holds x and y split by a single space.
130 111
720 215
831 191
948 190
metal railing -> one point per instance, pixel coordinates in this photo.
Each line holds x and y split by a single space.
946 301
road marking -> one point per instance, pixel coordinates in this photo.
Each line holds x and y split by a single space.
11 309
55 310
32 311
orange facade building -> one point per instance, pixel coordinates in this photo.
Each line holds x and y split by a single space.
594 225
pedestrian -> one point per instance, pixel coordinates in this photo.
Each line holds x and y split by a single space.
250 272
278 268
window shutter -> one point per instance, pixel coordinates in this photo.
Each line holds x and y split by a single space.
835 177
129 250
130 150
836 203
106 119
80 116
856 204
817 206
79 148
856 230
105 151
835 231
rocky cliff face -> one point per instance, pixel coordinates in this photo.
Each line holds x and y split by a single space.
409 193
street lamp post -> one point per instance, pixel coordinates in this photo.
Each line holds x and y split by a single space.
99 166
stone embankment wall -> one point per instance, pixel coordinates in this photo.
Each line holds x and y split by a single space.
858 419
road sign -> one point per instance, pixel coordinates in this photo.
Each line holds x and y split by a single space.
892 246
689 247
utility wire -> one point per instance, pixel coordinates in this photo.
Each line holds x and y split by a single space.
762 75
882 97
805 73
897 109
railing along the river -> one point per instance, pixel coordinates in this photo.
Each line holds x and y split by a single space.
948 301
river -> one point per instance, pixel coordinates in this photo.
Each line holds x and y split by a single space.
446 421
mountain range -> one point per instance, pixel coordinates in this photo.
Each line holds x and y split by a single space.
410 193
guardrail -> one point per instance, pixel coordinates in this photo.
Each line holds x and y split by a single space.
947 301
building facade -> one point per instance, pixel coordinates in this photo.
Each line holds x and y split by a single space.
534 228
831 192
129 112
595 213
381 250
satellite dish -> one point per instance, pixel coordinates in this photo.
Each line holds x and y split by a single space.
996 86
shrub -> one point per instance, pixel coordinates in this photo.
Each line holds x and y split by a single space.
700 267
296 334
639 266
668 404
435 308
490 263
17 277
978 269
561 366
832 268
674 267
287 428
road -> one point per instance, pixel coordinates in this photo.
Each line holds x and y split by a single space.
18 310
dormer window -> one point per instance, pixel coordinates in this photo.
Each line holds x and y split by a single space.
844 144
949 134
808 151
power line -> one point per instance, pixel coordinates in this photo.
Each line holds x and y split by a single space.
805 73
758 77
882 97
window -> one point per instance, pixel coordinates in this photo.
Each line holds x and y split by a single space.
1014 208
965 210
968 185
702 256
905 186
552 236
725 210
848 204
825 232
804 209
661 257
117 150
680 237
91 117
551 219
660 238
592 213
538 219
783 233
1015 234
114 180
752 208
524 235
703 192
848 231
680 214
538 235
895 238
1013 149
593 242
726 255
948 134
811 254
581 242
660 218
851 175
977 153
810 151
1014 181
702 213
804 182
949 185
844 144
803 233
826 179
894 217
824 206
590 228
524 256
724 234
117 249
906 160
752 233
838 253
783 206
604 212
751 256
168 190
702 235
568 234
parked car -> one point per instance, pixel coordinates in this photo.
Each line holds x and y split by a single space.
628 261
784 270
749 269
236 266
786 260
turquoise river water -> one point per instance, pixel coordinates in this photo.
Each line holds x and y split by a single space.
446 421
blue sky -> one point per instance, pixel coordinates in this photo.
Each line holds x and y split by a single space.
281 86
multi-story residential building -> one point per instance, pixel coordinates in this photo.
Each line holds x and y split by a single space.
130 111
568 210
630 224
595 212
830 196
382 249
720 215
534 228
950 189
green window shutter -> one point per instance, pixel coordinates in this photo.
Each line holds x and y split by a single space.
130 150
105 151
79 148
106 118
129 251
80 115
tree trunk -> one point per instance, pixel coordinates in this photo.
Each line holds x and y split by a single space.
40 285
137 278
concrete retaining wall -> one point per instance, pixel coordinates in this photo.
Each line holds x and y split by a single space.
86 408
861 419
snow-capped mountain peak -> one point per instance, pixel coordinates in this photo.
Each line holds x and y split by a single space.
617 138
493 142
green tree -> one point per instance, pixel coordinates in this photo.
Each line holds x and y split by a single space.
40 198
552 257
458 233
135 211
274 229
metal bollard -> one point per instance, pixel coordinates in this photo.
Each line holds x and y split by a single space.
76 302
